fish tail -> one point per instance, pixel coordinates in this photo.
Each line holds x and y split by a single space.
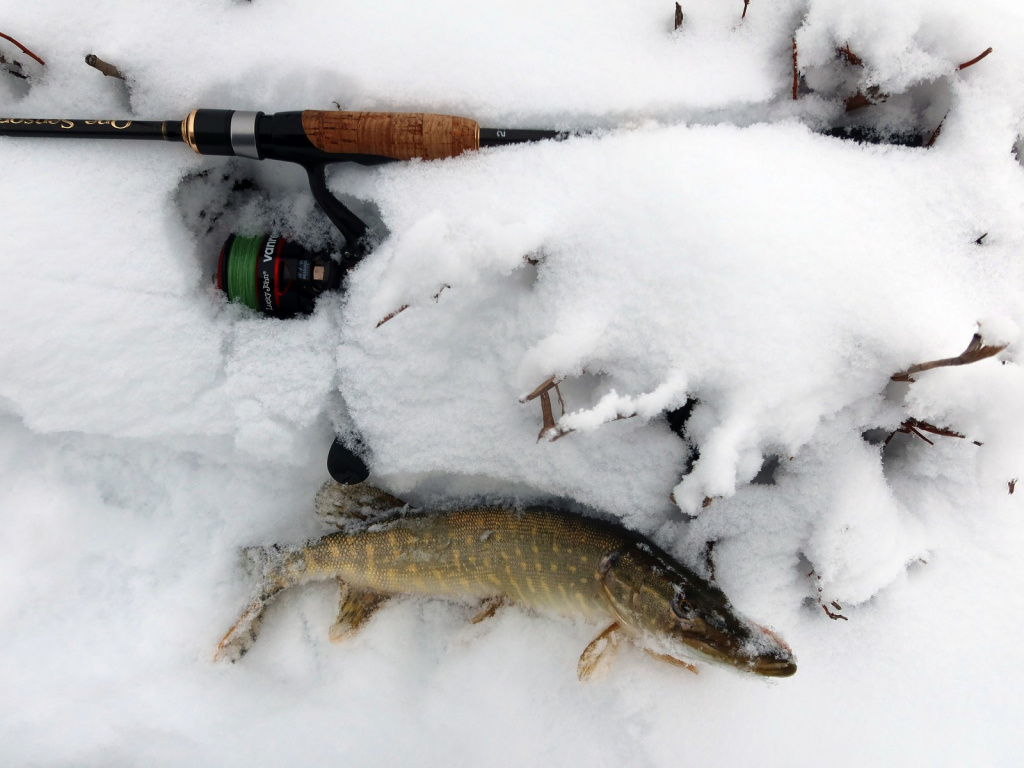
274 569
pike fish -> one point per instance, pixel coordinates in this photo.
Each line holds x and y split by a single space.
543 559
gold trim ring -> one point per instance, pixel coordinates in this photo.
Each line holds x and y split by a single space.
188 131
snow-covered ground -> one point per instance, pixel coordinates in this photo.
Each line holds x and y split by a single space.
705 240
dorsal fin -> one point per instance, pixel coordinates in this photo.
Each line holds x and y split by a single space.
338 503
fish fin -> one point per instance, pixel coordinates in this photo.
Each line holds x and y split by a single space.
336 502
489 607
672 660
269 565
355 607
240 638
596 659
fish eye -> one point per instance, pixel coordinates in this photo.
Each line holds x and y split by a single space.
681 607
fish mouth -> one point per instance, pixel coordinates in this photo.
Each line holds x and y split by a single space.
776 660
774 667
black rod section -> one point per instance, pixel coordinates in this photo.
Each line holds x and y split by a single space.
153 130
498 137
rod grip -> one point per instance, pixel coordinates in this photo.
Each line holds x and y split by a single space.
395 135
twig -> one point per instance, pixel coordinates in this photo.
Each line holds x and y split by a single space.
563 431
914 427
935 134
27 52
106 68
834 615
976 350
400 309
1012 485
975 60
861 99
404 307
679 16
545 409
796 74
561 401
544 386
979 240
850 56
745 4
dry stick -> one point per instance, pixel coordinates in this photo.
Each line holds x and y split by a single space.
975 60
796 74
914 427
850 56
976 350
544 386
404 307
862 99
1012 485
745 4
935 135
563 431
679 15
545 404
27 51
821 601
542 391
400 309
107 69
545 409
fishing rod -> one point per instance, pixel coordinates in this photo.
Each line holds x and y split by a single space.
269 273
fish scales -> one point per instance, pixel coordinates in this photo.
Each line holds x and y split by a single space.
540 558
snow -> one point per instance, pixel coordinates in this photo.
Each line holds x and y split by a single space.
705 239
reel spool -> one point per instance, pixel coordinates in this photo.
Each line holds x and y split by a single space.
275 276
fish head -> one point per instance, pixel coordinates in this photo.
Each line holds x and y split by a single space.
673 611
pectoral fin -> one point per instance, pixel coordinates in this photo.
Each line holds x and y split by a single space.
355 606
672 660
596 659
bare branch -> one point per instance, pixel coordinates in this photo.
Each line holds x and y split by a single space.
867 98
914 427
850 56
106 68
935 133
24 50
796 73
975 60
545 409
400 309
976 350
544 386
679 16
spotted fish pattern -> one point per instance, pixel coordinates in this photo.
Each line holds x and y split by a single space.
539 558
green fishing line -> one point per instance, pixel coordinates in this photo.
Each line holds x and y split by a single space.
242 270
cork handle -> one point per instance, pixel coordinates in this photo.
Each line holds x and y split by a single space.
396 135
